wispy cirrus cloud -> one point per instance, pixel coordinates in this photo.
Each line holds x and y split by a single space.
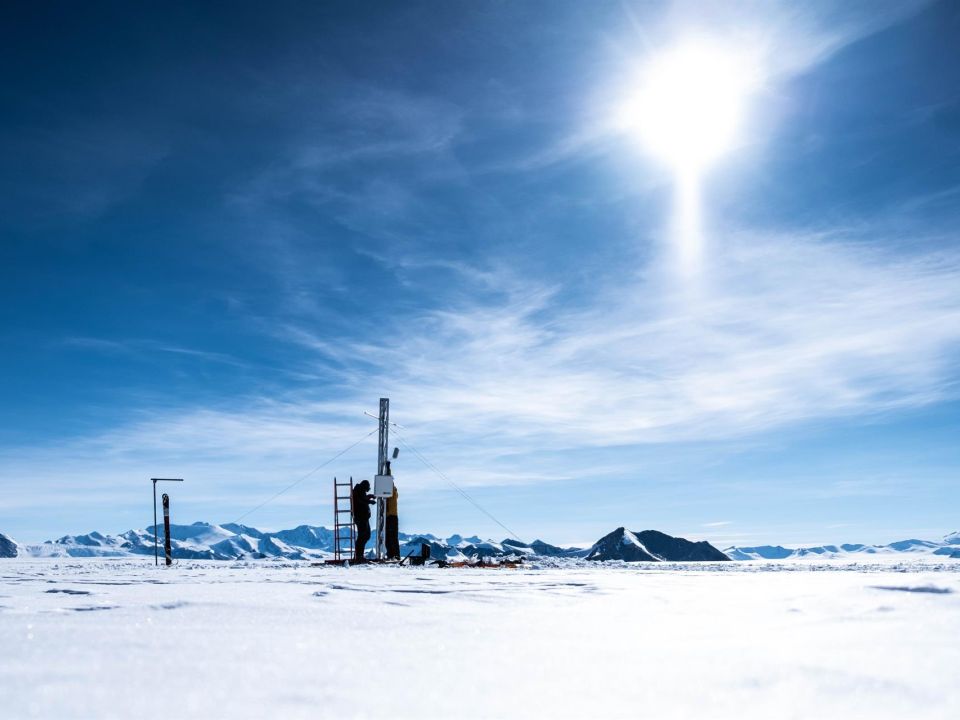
791 329
363 128
788 327
794 37
146 346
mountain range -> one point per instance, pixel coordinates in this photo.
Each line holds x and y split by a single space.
230 541
948 547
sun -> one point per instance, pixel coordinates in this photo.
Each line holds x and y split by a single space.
690 102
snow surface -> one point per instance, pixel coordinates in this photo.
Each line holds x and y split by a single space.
93 637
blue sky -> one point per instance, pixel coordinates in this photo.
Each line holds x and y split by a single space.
228 230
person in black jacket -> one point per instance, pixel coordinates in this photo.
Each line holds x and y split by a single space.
361 502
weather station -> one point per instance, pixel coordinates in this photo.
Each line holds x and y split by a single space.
345 535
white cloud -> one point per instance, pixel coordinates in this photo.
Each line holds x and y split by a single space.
788 329
793 36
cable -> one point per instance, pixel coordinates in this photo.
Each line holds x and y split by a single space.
294 484
374 417
455 486
409 447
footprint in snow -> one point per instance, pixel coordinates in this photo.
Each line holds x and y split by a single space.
915 589
92 608
170 605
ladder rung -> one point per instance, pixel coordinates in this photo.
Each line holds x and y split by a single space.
343 533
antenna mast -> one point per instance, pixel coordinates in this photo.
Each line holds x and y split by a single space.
382 455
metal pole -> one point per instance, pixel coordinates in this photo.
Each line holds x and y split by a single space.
168 557
382 454
156 559
384 448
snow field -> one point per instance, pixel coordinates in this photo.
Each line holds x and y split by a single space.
99 638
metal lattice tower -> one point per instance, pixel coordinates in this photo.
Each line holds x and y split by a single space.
382 454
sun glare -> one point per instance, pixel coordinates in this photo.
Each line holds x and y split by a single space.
689 104
686 107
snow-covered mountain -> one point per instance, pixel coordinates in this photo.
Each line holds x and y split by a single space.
651 546
8 548
199 541
948 547
230 541
206 541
